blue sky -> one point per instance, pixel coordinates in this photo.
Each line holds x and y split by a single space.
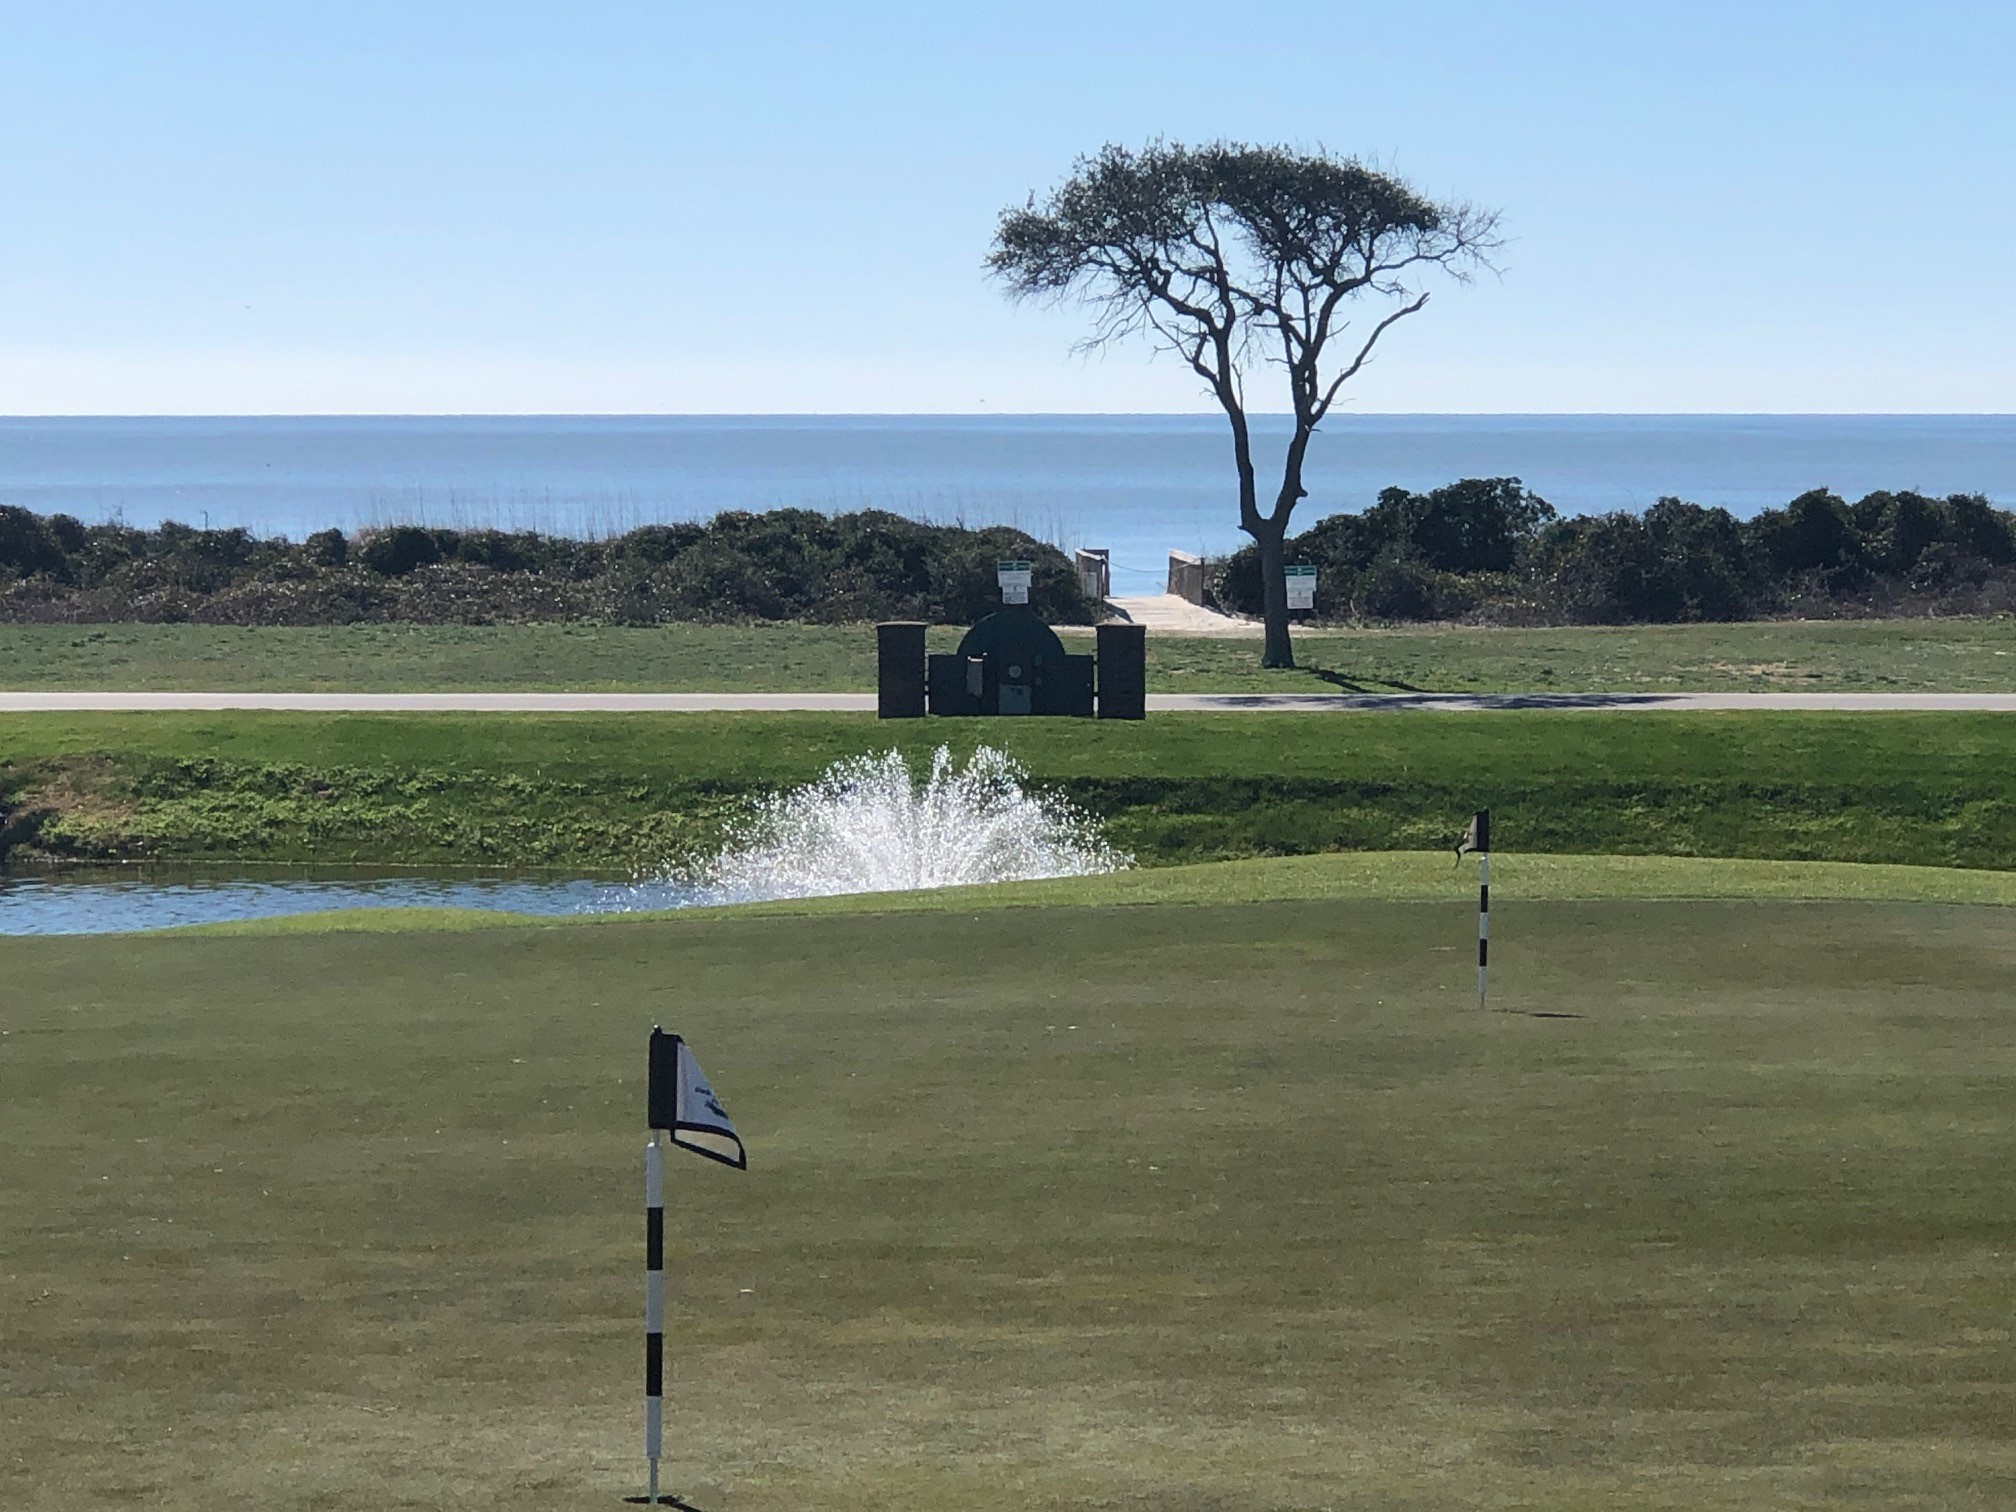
760 207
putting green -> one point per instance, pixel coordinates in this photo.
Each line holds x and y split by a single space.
1170 1206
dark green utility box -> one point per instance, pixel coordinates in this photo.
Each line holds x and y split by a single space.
1011 663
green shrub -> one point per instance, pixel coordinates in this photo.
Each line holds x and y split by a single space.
1487 547
778 565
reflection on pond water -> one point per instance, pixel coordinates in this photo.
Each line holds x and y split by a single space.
119 900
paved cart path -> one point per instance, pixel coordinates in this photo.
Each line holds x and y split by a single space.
680 703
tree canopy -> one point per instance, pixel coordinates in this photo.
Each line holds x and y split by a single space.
1231 254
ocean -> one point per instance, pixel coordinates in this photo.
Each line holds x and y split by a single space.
1138 485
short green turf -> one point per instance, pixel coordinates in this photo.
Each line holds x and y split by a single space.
1926 789
1797 656
1943 655
1201 1207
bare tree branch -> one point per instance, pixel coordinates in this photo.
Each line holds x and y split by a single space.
1227 252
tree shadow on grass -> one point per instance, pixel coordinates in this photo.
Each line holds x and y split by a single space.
665 1499
1350 684
1349 697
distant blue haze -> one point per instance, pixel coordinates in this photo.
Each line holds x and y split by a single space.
1136 484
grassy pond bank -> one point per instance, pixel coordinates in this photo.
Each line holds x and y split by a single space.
595 791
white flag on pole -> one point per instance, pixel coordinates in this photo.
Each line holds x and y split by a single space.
698 1114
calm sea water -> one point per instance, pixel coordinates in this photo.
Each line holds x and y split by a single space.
1138 485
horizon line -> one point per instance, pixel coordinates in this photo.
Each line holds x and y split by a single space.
1011 415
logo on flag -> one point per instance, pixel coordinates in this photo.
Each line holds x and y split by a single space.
681 1102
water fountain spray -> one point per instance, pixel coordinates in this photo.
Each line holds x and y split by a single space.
868 825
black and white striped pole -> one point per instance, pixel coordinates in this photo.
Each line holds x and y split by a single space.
678 1101
1479 840
654 1311
1483 908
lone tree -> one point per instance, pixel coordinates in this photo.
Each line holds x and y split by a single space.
1228 252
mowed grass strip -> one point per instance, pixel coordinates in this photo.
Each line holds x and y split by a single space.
1912 655
1359 876
1926 789
400 658
1192 1207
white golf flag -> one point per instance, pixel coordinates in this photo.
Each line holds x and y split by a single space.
680 1102
700 1115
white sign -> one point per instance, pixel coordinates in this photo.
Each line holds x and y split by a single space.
1014 580
1301 586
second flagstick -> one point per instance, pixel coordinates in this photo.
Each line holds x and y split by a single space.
1478 839
1483 923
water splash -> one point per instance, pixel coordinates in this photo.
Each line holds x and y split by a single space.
868 825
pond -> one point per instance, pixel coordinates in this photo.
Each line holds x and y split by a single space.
869 824
119 900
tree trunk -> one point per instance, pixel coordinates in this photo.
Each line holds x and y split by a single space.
1279 652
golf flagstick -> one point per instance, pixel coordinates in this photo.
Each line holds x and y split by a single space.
1478 839
1483 923
677 1101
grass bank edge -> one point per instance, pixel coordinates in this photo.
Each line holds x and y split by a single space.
1376 876
1924 789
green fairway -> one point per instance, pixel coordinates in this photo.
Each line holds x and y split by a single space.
613 790
1165 1207
1942 655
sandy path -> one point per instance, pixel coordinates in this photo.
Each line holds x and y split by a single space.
1167 614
